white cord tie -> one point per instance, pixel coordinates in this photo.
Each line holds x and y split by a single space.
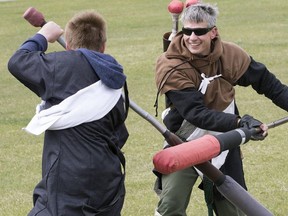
206 81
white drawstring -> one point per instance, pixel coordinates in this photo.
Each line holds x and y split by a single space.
205 82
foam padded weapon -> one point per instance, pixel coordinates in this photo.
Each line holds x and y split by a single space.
198 151
175 8
227 186
36 19
203 149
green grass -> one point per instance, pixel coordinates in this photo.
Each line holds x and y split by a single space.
135 30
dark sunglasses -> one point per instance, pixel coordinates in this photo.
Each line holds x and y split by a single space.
197 31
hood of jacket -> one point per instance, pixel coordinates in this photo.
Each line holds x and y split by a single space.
106 67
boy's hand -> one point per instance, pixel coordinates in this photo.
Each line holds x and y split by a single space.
51 31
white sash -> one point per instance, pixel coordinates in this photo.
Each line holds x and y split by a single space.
86 105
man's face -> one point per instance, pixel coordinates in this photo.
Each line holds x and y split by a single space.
198 44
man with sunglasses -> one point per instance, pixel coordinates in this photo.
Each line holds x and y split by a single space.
197 74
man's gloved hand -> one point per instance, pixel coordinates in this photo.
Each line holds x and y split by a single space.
249 122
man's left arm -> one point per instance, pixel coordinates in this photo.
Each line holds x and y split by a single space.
264 82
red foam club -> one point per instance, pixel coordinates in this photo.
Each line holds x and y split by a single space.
191 2
176 6
34 17
187 154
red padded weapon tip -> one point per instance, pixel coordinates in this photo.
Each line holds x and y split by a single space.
191 2
175 6
186 154
34 17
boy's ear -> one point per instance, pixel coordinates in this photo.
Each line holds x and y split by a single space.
103 47
67 46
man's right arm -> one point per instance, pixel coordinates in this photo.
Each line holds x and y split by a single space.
190 105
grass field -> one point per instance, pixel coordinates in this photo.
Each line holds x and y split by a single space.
135 30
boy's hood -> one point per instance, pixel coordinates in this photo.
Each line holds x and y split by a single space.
106 67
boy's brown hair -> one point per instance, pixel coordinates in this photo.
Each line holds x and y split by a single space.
86 29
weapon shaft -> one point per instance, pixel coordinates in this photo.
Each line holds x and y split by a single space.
278 122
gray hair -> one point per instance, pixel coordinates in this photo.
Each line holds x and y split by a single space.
200 12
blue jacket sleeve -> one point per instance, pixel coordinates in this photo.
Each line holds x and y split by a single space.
31 67
37 43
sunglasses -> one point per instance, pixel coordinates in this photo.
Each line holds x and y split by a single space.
197 31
